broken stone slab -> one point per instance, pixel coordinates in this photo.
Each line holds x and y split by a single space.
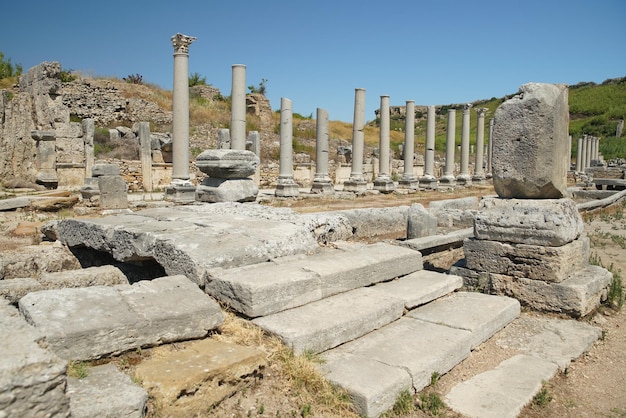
118 318
501 392
537 262
454 238
15 289
549 222
227 163
482 315
559 341
327 323
458 213
577 296
106 392
210 370
102 169
421 223
406 344
91 276
32 378
54 204
14 203
530 143
377 222
463 203
420 287
214 190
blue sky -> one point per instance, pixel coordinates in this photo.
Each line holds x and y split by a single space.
316 53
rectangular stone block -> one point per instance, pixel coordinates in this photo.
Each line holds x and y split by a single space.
537 262
114 319
15 289
32 378
113 192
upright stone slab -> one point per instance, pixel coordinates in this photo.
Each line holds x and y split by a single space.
46 158
530 152
146 155
113 192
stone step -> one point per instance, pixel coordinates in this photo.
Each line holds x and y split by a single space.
267 288
89 323
327 323
541 346
380 365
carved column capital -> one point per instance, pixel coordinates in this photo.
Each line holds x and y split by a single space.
467 107
181 43
481 111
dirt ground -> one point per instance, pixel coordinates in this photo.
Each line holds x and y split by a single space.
593 386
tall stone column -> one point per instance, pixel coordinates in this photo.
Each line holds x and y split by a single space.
146 155
579 155
89 131
479 173
464 178
238 108
490 149
595 155
321 181
428 180
181 190
588 140
383 181
448 178
409 180
286 186
569 153
356 183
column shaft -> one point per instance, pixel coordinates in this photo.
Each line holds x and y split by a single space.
321 180
448 175
408 179
356 183
479 173
464 177
238 108
146 155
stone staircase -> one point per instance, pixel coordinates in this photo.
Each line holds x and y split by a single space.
371 312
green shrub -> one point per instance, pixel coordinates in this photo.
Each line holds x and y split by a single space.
7 69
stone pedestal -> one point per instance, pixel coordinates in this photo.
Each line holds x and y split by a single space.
228 176
46 158
111 186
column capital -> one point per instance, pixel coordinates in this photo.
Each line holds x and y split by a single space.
467 107
181 43
481 111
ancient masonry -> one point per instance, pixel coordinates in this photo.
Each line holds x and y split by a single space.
528 242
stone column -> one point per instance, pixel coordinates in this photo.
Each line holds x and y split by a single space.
569 153
321 180
356 183
588 140
146 155
383 181
464 178
238 108
448 178
286 186
479 173
490 149
223 138
579 154
88 134
181 190
409 180
619 128
46 159
595 156
428 180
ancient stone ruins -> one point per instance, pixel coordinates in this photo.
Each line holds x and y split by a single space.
142 277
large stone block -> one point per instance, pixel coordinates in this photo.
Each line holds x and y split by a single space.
530 143
214 190
32 378
536 262
551 222
227 163
112 192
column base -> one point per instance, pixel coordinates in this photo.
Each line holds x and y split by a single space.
322 187
355 185
384 184
447 181
184 192
478 179
464 180
286 188
428 182
409 183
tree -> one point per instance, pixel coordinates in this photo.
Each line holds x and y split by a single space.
7 69
260 89
196 80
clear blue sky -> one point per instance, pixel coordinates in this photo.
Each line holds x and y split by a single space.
316 53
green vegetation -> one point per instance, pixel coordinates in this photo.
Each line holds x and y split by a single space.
404 403
542 397
260 89
196 79
7 69
134 79
77 369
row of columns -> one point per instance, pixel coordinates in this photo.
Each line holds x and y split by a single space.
588 152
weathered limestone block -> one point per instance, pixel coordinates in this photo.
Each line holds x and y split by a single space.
91 276
15 289
35 260
114 319
101 169
421 223
377 222
112 192
106 392
227 163
551 222
210 370
537 262
214 190
32 378
530 143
